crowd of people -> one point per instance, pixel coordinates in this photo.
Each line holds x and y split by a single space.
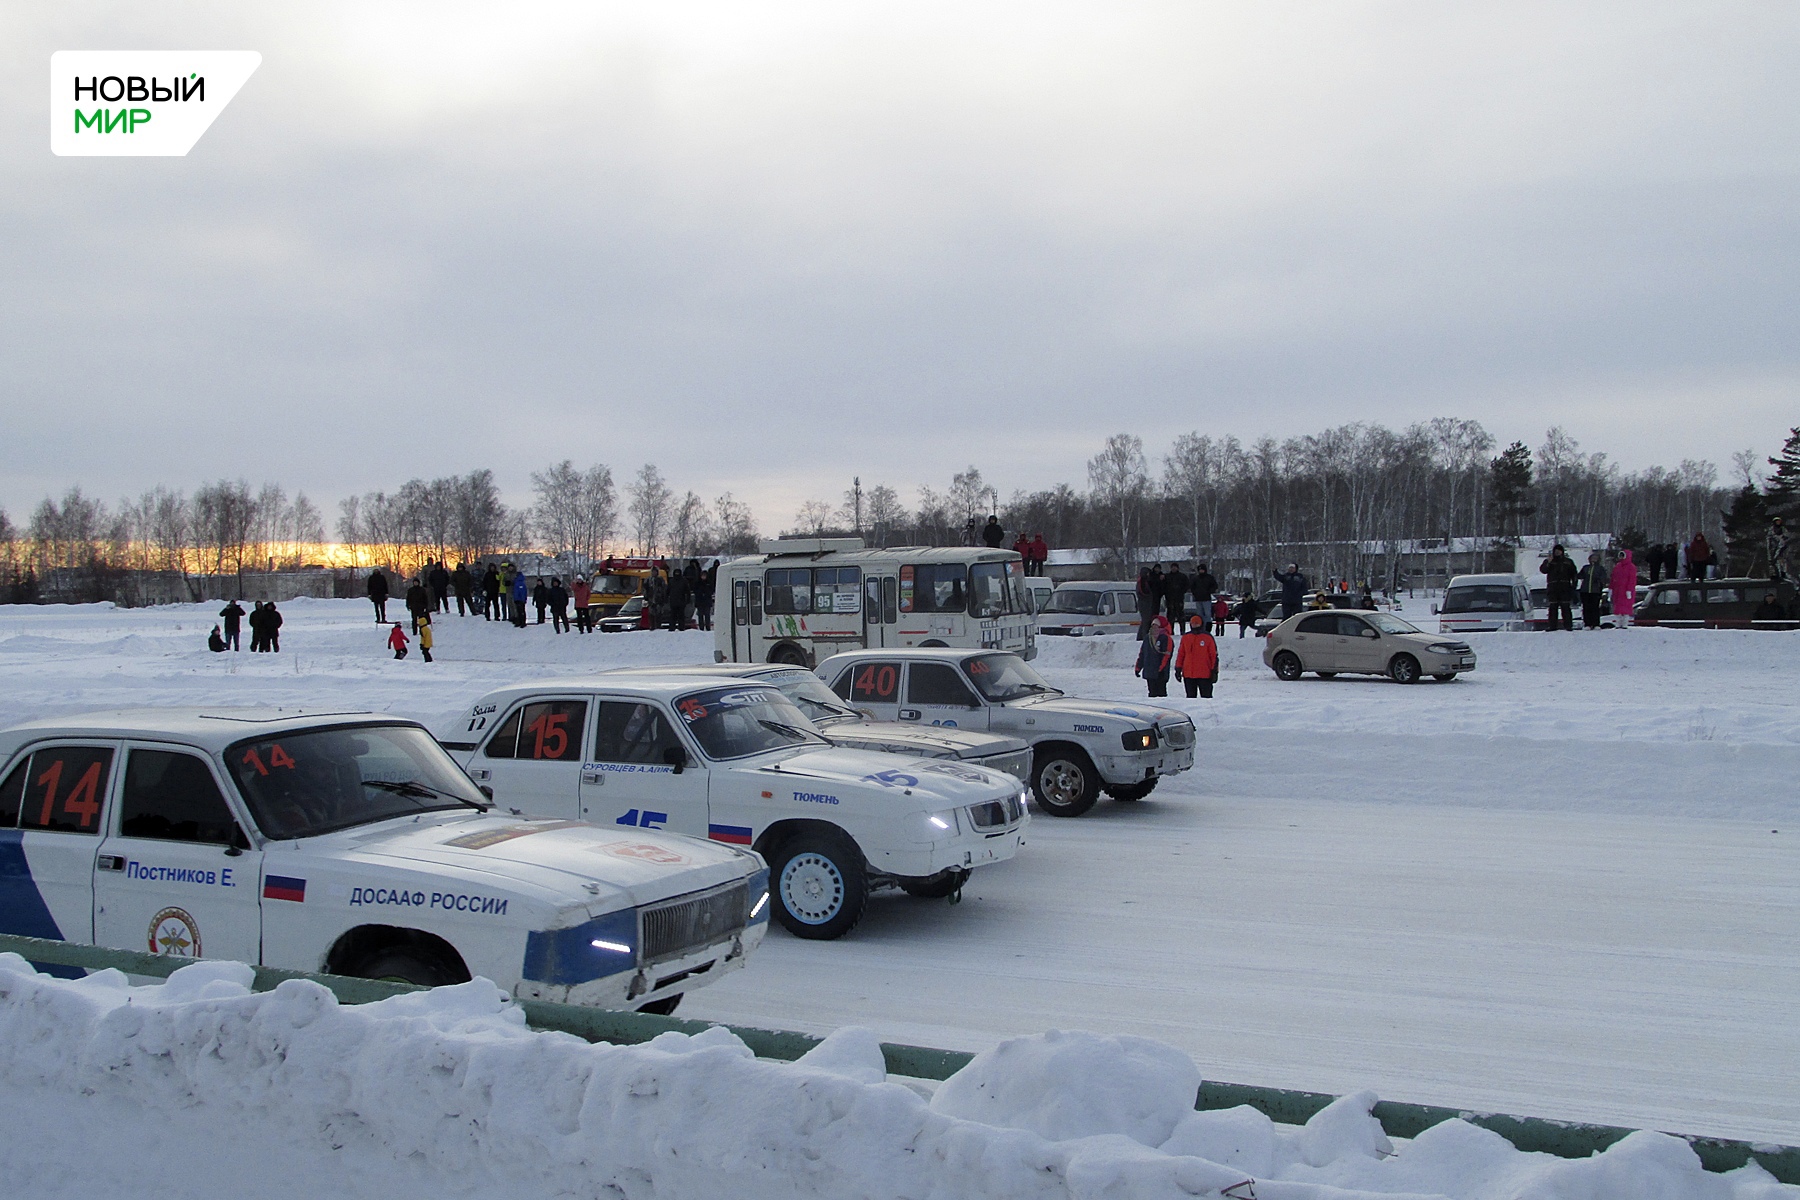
265 628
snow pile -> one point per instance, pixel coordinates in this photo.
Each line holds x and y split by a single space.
448 1094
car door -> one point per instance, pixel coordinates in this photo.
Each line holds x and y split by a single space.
173 875
1318 643
937 694
874 688
1361 648
532 760
629 779
60 795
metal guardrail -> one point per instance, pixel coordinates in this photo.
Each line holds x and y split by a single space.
1565 1139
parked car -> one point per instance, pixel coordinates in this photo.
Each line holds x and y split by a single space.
1084 608
1079 747
1334 642
1485 603
350 844
735 761
630 616
845 726
1719 604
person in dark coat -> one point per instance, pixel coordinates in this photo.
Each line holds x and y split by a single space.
378 595
992 536
1293 590
255 622
463 584
1248 610
214 642
1156 655
540 598
438 580
559 606
679 594
271 628
1204 586
1560 576
1174 590
418 602
1149 596
234 616
1592 581
705 594
1672 561
490 593
1654 560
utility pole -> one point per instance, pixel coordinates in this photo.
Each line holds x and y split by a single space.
856 498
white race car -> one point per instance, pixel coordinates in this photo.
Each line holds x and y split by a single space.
1079 747
735 761
350 843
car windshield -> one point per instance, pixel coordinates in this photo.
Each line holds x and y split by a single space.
1482 597
1388 623
309 782
631 607
1003 677
1069 600
616 585
811 696
734 722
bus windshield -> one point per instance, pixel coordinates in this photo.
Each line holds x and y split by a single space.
995 590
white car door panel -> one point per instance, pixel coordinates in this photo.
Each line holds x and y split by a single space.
628 779
533 758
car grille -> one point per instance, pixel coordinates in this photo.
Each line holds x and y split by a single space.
1178 736
672 928
996 814
1459 648
1017 764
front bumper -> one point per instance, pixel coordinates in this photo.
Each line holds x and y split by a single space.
654 981
1134 768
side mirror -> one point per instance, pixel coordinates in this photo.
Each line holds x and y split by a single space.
1369 633
1434 610
676 757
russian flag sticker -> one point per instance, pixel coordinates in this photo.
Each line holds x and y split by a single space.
283 887
737 835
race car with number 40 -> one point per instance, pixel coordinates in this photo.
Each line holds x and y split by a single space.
734 760
350 843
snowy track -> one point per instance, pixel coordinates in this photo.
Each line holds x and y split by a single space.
1551 888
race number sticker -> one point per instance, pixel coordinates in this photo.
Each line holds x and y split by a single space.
65 788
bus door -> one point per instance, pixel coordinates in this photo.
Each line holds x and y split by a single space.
881 610
746 619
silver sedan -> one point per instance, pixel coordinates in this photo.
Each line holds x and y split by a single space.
1334 642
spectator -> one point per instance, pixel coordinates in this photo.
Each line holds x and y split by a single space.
1248 611
678 600
1624 591
418 602
1559 582
378 596
255 621
271 629
1769 609
438 580
490 593
1293 590
1040 554
1149 596
463 584
582 595
1320 600
1022 547
214 642
1197 660
1221 612
425 637
1174 590
705 593
1366 601
519 594
1593 580
397 641
992 536
1204 587
1155 656
540 598
1671 561
1653 558
234 616
1699 557
559 606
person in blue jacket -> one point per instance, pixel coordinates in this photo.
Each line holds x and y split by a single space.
1293 590
519 592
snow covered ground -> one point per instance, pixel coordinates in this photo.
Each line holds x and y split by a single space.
1565 886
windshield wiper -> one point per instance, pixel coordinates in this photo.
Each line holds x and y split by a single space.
790 730
414 788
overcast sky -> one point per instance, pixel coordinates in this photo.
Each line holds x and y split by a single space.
769 246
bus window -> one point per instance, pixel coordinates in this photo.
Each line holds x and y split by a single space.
906 589
990 592
890 601
836 589
872 602
756 604
937 587
790 591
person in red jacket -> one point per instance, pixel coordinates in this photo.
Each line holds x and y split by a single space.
397 641
1197 660
1699 557
1040 554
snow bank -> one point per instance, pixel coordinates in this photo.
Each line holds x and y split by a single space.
448 1093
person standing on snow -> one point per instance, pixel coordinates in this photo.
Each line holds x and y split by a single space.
1040 554
1149 594
463 584
397 641
425 637
540 598
438 580
490 593
418 602
234 616
1624 591
1174 590
378 596
1221 612
1248 610
1156 655
559 606
1204 586
519 594
1293 590
1197 660
255 621
1559 582
271 628
1593 580
583 596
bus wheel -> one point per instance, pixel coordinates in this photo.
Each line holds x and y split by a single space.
788 654
931 644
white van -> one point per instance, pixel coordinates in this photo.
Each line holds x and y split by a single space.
1485 604
804 599
1084 608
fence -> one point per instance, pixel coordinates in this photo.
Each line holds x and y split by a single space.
1561 1138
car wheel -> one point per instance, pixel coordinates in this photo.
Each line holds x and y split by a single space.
662 1008
1131 791
821 886
404 964
1287 666
1446 677
936 887
1327 674
1064 781
1404 669
931 644
788 654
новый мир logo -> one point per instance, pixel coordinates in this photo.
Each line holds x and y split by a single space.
141 102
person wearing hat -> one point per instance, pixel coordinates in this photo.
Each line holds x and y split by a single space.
397 641
1560 575
1197 660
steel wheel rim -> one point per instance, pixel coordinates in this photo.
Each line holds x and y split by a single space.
1062 783
812 888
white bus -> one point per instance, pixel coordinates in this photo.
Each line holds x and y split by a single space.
804 599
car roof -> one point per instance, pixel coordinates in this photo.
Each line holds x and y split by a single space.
211 728
1096 585
1499 578
656 683
920 653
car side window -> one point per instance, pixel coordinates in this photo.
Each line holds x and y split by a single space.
65 789
505 742
937 684
12 795
842 685
1352 627
874 682
1669 596
1318 624
632 732
1106 605
1127 602
1723 596
173 797
546 730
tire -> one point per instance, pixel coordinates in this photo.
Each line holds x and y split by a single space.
1131 791
1064 781
788 654
662 1008
1327 674
931 644
935 887
1404 668
1446 677
1287 666
407 964
820 885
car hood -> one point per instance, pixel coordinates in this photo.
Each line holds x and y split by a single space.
562 858
923 781
932 741
1114 715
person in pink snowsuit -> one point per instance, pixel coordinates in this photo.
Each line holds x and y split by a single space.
1624 590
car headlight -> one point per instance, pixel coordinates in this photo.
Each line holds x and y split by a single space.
1140 739
1444 648
940 823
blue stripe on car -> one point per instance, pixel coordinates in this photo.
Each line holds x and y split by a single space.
22 908
569 956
